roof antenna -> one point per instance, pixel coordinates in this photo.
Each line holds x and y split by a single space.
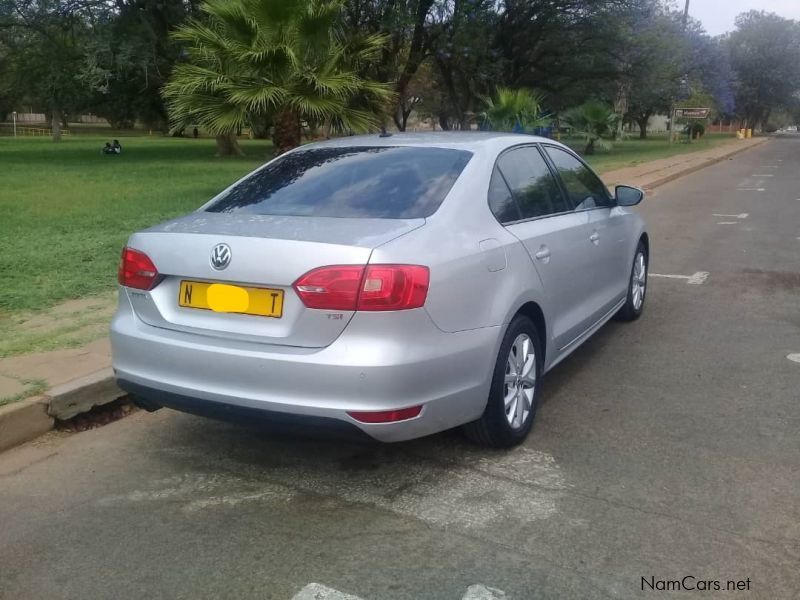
384 133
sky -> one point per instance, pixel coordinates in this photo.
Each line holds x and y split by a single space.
717 16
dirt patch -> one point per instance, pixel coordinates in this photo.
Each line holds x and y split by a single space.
71 324
774 280
98 416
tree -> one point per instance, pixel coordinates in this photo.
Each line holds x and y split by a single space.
509 109
563 47
655 62
708 67
288 59
765 57
129 58
45 47
467 67
593 121
406 26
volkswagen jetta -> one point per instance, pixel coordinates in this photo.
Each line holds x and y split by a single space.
399 285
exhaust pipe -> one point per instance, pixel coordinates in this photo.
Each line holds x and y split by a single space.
146 404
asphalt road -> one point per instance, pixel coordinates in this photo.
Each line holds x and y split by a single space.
664 448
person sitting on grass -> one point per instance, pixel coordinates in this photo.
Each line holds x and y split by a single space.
116 147
108 149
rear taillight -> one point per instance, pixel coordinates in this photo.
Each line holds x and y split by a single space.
136 270
372 288
331 288
394 287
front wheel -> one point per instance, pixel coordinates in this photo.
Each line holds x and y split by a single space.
513 396
637 287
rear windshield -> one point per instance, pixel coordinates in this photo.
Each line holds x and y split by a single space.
367 182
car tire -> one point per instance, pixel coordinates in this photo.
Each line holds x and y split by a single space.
637 286
514 393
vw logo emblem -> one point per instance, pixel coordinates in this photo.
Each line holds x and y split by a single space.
221 256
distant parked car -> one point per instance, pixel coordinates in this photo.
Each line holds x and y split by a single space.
398 286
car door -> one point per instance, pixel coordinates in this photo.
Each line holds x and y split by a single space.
526 197
606 229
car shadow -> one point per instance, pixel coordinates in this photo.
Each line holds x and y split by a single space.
219 464
562 375
262 444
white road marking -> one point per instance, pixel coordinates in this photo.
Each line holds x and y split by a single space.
794 357
201 491
695 279
481 592
669 276
698 278
763 175
316 591
751 189
727 222
739 216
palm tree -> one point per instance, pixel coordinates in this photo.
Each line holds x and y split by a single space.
593 121
510 108
285 59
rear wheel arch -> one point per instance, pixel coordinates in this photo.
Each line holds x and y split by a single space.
534 312
513 395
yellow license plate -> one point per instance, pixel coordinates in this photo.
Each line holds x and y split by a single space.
222 297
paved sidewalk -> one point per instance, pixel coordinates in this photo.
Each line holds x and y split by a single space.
41 371
73 376
653 173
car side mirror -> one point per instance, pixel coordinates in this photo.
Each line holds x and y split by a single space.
627 195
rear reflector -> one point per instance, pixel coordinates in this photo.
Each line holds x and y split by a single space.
387 416
372 288
136 270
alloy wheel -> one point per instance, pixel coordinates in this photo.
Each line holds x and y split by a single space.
520 381
638 281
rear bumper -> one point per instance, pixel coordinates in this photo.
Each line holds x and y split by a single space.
382 361
285 423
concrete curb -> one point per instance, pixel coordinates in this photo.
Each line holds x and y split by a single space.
80 395
27 419
23 421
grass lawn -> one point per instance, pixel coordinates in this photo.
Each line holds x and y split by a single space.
66 210
633 151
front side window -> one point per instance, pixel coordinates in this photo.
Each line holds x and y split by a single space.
531 183
584 188
390 182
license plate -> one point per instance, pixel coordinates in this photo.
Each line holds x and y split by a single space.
222 297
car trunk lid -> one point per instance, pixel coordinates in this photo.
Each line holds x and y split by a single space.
269 252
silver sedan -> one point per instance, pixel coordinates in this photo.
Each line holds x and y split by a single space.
393 286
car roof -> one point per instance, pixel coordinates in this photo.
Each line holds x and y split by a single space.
461 140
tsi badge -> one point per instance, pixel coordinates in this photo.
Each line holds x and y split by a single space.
221 256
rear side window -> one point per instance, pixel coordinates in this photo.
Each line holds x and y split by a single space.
584 188
500 200
531 183
363 182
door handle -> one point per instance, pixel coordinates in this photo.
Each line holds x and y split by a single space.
594 238
543 253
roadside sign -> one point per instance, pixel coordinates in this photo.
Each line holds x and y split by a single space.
691 113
